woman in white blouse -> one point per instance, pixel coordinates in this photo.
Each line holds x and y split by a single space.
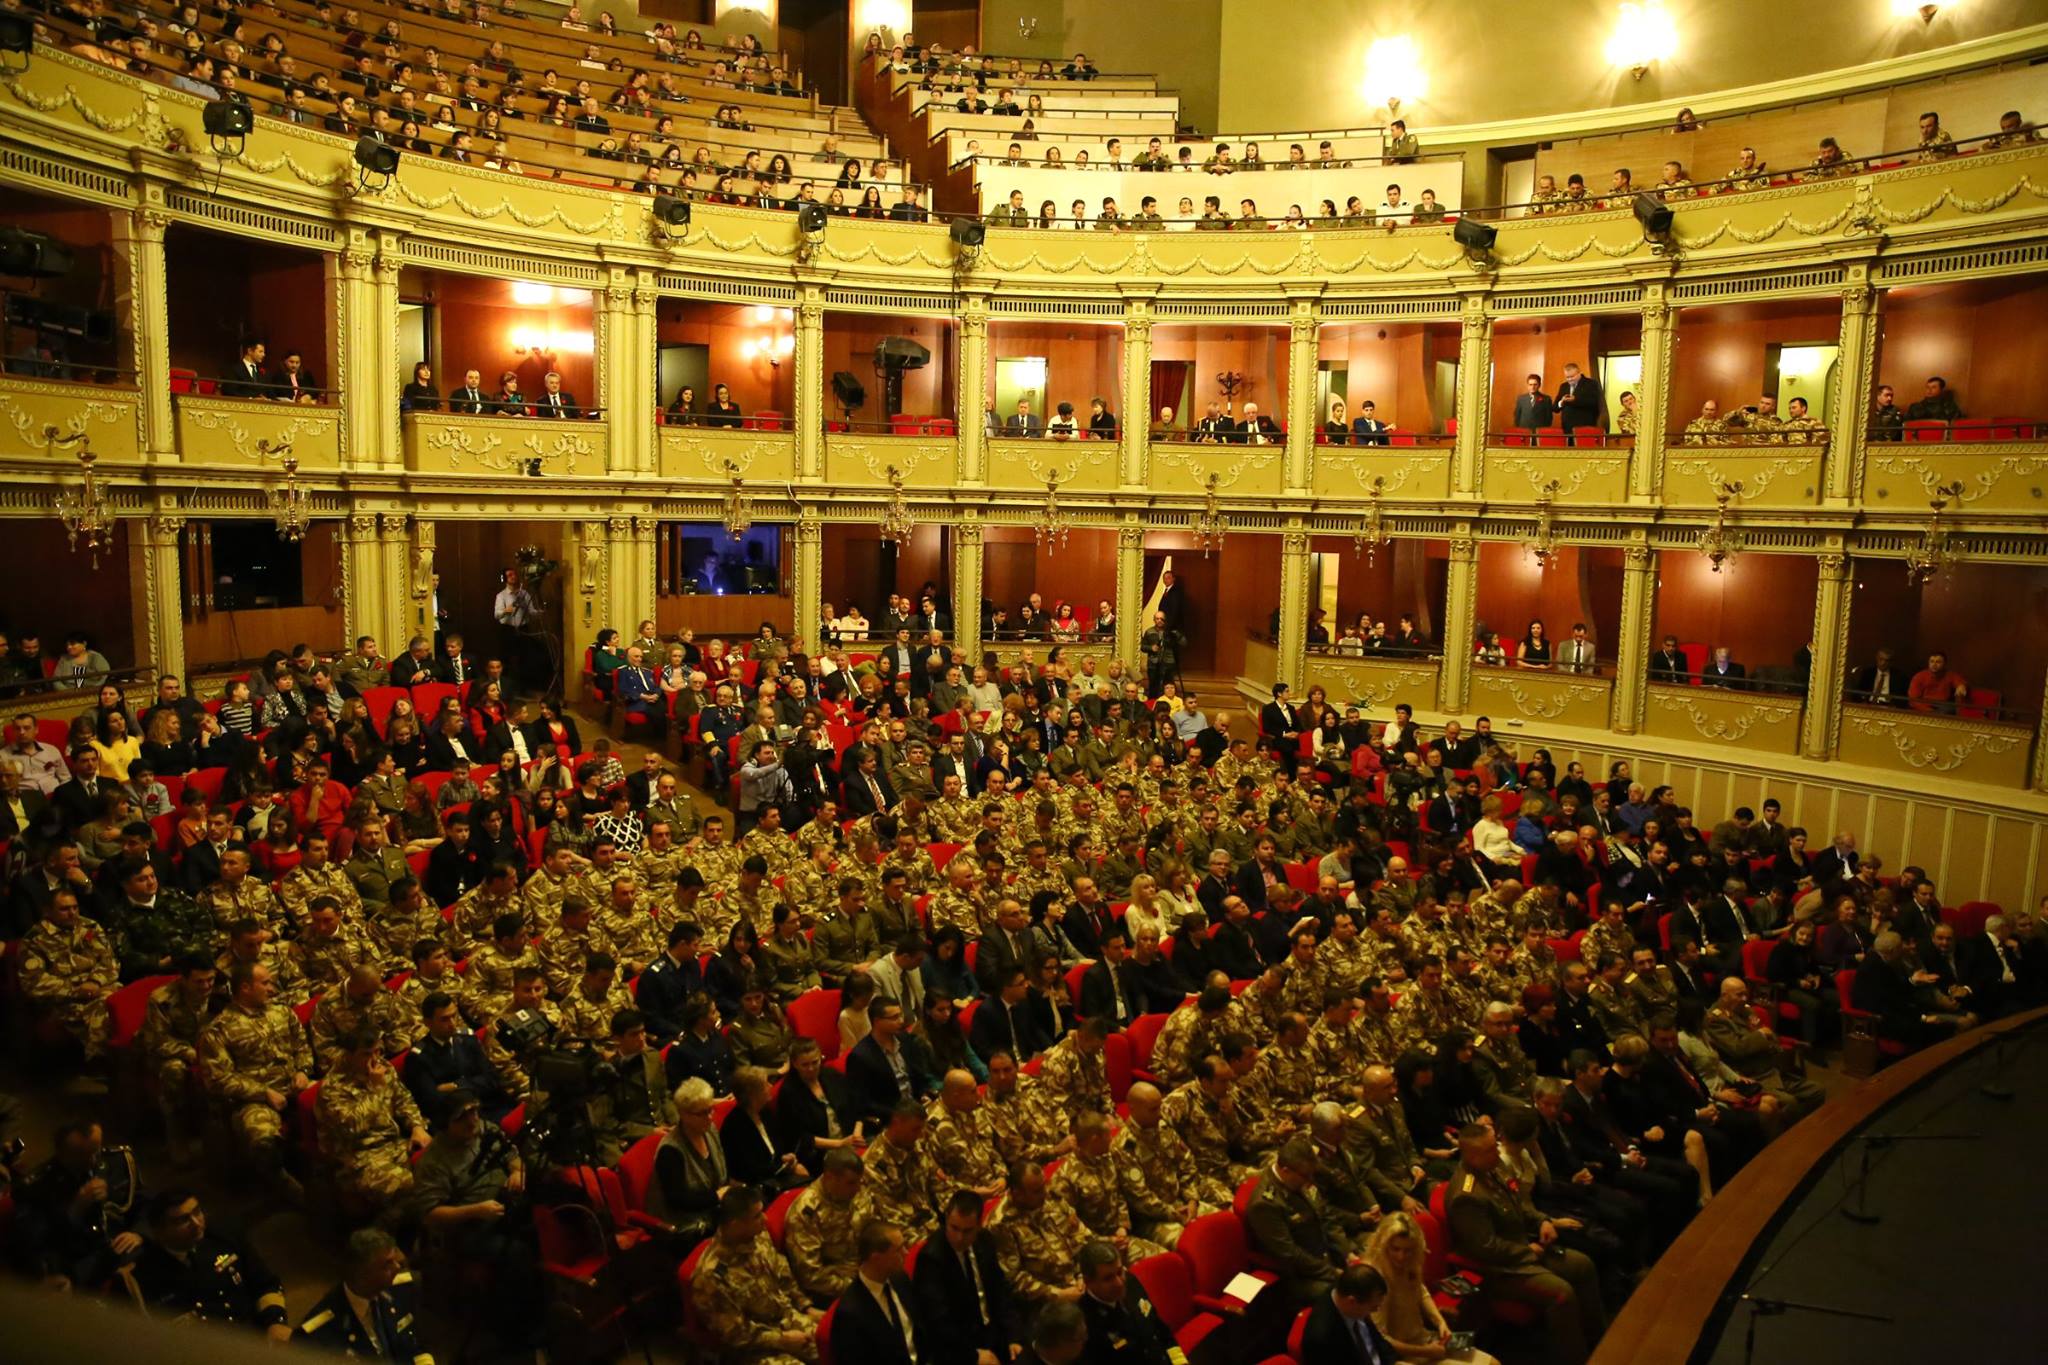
1492 839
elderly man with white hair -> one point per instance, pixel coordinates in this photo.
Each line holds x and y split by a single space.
1989 963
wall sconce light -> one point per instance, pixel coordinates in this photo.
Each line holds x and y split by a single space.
86 510
1936 553
1906 9
1644 34
1394 73
1720 542
1543 542
739 510
1210 525
1372 532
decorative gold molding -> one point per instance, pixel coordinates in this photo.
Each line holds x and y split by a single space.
1545 701
1916 744
1733 726
1571 469
550 446
1932 475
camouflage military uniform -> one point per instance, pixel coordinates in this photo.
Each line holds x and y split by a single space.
1703 430
1204 1128
902 1186
1302 990
1031 881
961 910
247 1052
1344 965
963 1147
326 962
390 933
1377 1037
151 939
1545 201
366 1129
247 899
1260 1010
412 996
291 986
1801 431
1105 1193
1291 1076
470 930
506 1062
1254 1120
169 1041
636 937
486 986
1172 1180
1076 1081
587 1018
1026 1124
1538 965
958 819
541 900
302 885
1039 1249
778 849
1421 1018
56 964
337 1016
1339 1054
1615 1011
1184 1039
657 869
746 1297
819 1237
1606 938
756 907
565 955
1503 982
1755 177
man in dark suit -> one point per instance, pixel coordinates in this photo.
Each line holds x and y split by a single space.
883 1074
1990 966
1723 671
1366 428
247 378
1887 986
1123 1326
875 1319
450 1059
1279 728
1256 428
77 802
1003 1022
928 661
1688 970
1109 989
1024 422
1004 947
471 397
1533 408
867 788
1879 683
1665 1184
554 400
416 666
1669 664
1173 602
1578 399
1340 1329
963 1297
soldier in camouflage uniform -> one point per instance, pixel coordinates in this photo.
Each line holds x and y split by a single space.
529 992
1026 1125
545 890
770 842
1614 1007
1535 960
1289 1072
960 1139
565 950
902 1184
369 1126
711 855
1500 977
1345 956
634 937
256 1061
959 905
237 895
1073 1072
1610 935
68 971
1173 1183
153 928
327 950
1037 1239
431 972
1337 1046
249 941
1038 874
394 927
659 859
172 1020
955 815
819 1232
1201 1112
1707 428
587 1010
811 884
317 875
1105 1191
751 897
360 1004
745 1295
487 982
1426 1008
1260 1005
478 911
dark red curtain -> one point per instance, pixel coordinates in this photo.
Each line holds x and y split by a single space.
1169 377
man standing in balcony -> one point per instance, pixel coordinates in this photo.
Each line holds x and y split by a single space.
1533 409
1579 401
514 610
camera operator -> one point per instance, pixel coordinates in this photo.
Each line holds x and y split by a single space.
638 1102
73 1212
469 1193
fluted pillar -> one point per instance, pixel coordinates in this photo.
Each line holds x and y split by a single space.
156 595
967 579
625 371
1302 424
1136 448
1653 400
1831 599
2040 782
1293 605
418 616
1461 608
1632 649
1849 400
586 552
1475 375
972 386
362 279
807 577
1131 622
365 592
807 408
142 305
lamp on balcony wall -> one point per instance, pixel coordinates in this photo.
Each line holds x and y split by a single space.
1936 553
1394 73
85 510
1644 35
1906 9
1372 532
897 523
739 511
1052 525
288 505
1210 525
1722 542
772 344
1543 541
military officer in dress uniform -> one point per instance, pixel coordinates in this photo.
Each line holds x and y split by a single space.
1123 1326
184 1273
369 1315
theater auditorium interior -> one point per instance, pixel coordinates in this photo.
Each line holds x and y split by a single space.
741 682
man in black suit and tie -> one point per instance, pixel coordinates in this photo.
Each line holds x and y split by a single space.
1278 727
1173 603
1003 1023
1004 947
867 789
875 1319
1989 964
470 398
1340 1329
1533 408
1878 683
1723 671
1024 422
77 802
1669 664
247 378
1123 1326
882 1073
1366 428
929 661
963 1297
556 401
1109 989
1578 401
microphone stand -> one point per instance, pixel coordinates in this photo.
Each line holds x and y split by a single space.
1760 1307
1859 1210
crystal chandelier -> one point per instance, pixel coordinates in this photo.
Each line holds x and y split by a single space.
1051 525
1372 533
1720 542
897 523
739 510
1210 525
1543 542
1936 553
85 510
288 505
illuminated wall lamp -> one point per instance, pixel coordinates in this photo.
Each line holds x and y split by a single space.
1644 34
1906 9
1394 73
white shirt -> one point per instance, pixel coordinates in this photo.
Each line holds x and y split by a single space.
513 606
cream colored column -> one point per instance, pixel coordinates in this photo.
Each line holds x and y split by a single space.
1475 375
142 304
808 406
156 594
1293 607
1849 401
807 577
1831 599
586 552
1302 423
971 383
1461 610
1131 621
967 579
364 591
1632 650
418 612
394 561
1653 401
362 344
630 580
1135 452
625 362
2041 749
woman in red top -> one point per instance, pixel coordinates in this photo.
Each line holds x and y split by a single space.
557 731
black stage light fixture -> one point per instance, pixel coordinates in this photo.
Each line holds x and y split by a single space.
374 158
810 219
1654 214
968 233
33 255
17 33
670 211
227 118
1474 235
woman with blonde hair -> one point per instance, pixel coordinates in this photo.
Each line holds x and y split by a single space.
1408 1318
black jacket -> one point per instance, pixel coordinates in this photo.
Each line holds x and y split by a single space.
1127 1333
873 1082
334 1326
959 1323
993 1030
862 1330
1098 1000
1329 1338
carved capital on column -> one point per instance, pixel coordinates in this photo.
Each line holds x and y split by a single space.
811 531
590 557
1656 315
967 533
1294 543
165 525
1130 538
150 223
1301 329
1832 564
362 525
1858 298
645 526
1636 558
811 313
393 524
1464 549
618 527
